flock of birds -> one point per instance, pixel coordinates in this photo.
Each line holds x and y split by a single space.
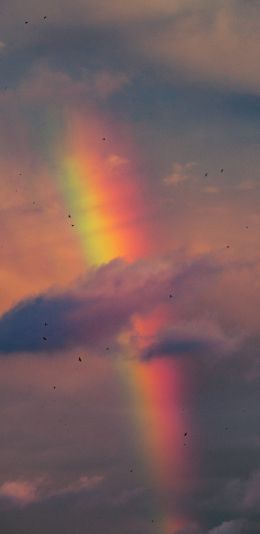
27 21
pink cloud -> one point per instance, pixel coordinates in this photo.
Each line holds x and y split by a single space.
23 492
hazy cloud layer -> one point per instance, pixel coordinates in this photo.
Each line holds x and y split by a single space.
216 44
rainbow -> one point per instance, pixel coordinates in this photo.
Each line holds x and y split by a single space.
103 199
106 204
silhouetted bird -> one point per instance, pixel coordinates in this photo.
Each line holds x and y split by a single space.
80 360
44 338
186 434
54 387
45 324
69 216
228 246
73 225
26 22
206 173
44 17
222 170
107 348
104 139
170 296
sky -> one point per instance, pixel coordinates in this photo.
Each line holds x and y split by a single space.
129 244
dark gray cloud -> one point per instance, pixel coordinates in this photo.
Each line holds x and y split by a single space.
95 311
198 340
171 38
175 347
70 322
103 303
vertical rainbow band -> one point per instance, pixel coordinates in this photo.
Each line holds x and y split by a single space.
106 205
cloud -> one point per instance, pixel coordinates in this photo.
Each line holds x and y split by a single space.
212 189
95 12
216 44
180 173
194 338
251 498
107 82
23 493
19 492
229 527
236 526
126 496
114 160
84 483
247 185
102 304
45 85
239 499
95 310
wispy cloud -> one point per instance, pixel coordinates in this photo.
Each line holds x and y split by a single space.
180 173
24 492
